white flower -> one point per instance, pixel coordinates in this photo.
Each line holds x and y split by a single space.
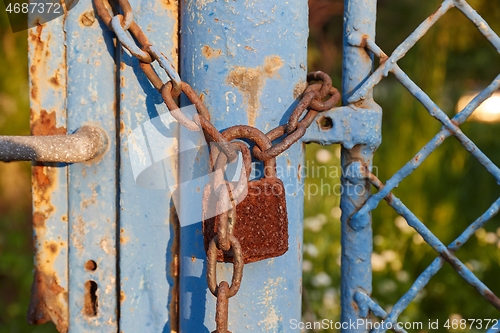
315 223
330 298
336 212
311 250
402 276
307 266
417 239
378 262
321 280
323 156
490 238
403 225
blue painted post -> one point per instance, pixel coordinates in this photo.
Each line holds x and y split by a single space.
248 61
92 186
148 243
356 275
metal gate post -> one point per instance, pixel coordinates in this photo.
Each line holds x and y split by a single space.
356 239
148 241
248 61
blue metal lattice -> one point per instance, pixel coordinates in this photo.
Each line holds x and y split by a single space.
359 222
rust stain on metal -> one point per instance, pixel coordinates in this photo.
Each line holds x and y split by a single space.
123 297
43 82
251 81
210 53
45 305
172 9
248 48
44 123
431 17
34 92
123 239
55 80
87 18
299 89
86 202
38 220
170 5
492 298
43 179
48 298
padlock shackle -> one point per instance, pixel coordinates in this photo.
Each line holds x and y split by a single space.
260 139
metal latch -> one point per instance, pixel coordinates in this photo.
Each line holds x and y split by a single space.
85 144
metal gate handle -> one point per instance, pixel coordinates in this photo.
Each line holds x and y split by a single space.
87 143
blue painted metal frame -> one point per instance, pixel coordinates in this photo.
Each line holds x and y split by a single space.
246 59
148 228
357 245
47 62
92 186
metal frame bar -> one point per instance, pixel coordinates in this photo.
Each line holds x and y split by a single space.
47 63
92 187
247 68
357 244
148 230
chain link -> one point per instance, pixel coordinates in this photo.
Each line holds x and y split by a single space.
316 98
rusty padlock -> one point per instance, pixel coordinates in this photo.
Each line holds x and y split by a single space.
261 221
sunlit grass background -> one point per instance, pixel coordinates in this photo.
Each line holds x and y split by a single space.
447 192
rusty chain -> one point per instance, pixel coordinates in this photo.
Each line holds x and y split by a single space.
317 97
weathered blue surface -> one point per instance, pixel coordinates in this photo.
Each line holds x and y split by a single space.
351 126
248 60
147 231
92 186
357 245
47 61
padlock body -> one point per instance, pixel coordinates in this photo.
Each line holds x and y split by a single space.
261 222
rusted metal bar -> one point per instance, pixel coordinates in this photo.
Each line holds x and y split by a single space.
47 85
85 144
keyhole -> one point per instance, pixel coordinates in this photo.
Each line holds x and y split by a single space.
90 301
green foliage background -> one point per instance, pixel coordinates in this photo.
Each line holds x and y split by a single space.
447 192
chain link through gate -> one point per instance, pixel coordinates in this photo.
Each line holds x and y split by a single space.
312 100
